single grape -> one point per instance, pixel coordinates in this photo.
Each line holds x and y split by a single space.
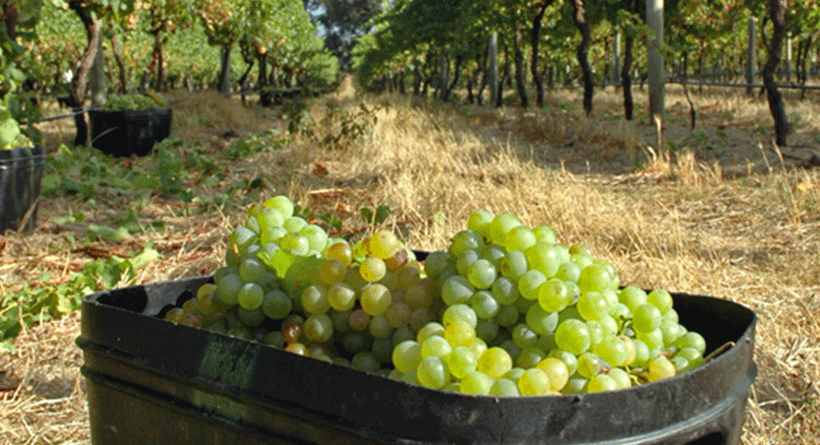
502 224
528 357
461 361
519 238
660 299
476 383
432 372
384 244
375 299
398 314
464 240
341 296
379 327
277 305
341 251
365 361
592 305
646 318
514 265
530 282
281 203
484 305
543 257
534 382
314 299
613 350
554 295
332 271
572 335
227 289
601 382
541 321
659 368
318 328
372 269
479 222
481 274
460 312
459 333
504 291
495 362
595 278
504 387
556 370
465 260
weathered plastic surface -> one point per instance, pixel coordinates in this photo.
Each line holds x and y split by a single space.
21 171
129 132
151 381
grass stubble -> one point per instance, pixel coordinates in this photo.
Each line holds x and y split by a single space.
720 215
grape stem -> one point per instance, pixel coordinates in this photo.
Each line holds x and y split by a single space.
718 351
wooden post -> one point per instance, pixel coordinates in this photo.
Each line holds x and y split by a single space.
655 78
97 77
492 49
750 57
787 62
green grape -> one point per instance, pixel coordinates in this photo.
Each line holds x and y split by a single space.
621 378
479 222
250 318
318 328
557 371
484 305
572 335
541 321
501 224
341 251
398 314
461 361
519 238
250 269
660 299
595 278
314 299
459 333
590 365
481 274
459 312
512 349
379 327
406 356
569 359
356 341
295 243
242 237
575 385
227 289
523 336
281 203
372 269
269 218
403 333
465 240
375 299
680 363
420 317
534 382
632 297
592 305
432 372
389 279
436 262
609 324
341 297
601 382
659 368
494 254
384 244
646 318
554 295
692 356
275 339
354 279
528 357
407 277
504 387
671 331
486 330
340 321
277 305
543 257
653 339
613 350
417 296
671 315
690 340
465 260
332 271
514 264
568 271
495 362
507 315
428 330
529 283
596 332
365 361
476 383
294 224
359 320
641 354
514 373
631 354
504 291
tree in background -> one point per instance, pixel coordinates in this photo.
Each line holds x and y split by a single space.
342 22
777 15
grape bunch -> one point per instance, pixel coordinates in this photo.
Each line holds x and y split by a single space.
506 310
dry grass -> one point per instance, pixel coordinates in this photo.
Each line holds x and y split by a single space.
722 216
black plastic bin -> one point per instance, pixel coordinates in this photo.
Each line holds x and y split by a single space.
152 381
129 132
21 170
